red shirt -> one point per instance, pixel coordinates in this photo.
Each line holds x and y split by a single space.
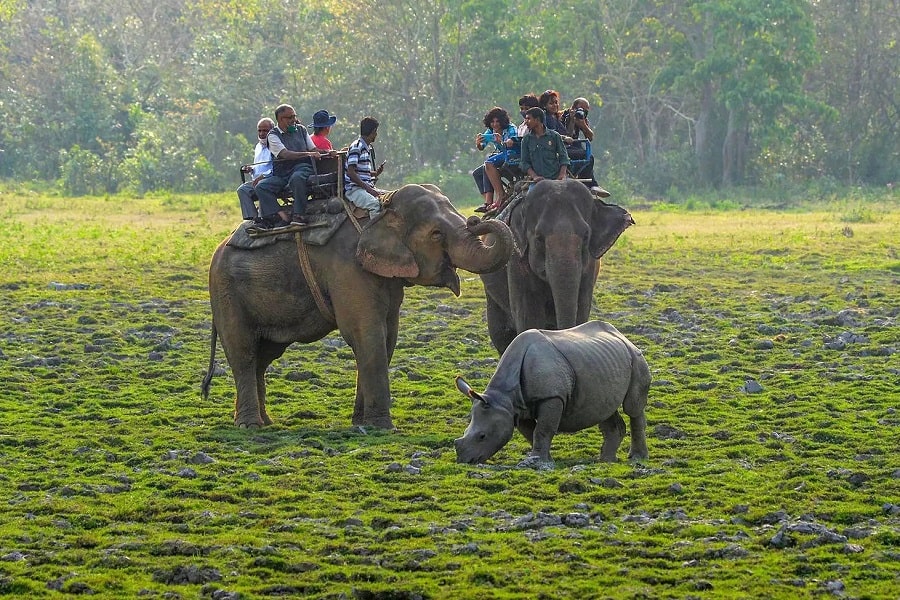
322 142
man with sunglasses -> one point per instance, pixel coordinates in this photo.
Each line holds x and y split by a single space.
294 151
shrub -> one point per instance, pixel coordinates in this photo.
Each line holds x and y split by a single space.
80 172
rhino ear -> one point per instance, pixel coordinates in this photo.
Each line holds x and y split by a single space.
467 390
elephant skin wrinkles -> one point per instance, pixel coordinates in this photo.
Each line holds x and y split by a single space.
261 302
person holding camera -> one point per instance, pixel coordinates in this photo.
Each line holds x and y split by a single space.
577 124
576 121
500 138
359 172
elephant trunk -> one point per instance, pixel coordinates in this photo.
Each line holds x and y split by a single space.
564 273
469 251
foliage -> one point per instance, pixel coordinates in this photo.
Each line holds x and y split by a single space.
685 93
120 481
80 172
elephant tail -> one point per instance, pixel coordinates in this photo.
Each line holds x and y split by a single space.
207 380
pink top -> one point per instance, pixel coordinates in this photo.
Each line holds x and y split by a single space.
322 143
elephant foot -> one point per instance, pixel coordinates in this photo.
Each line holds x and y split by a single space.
380 423
266 419
256 423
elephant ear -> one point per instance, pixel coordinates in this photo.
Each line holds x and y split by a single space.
432 188
381 249
608 221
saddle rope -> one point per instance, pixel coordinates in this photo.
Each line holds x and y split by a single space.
306 266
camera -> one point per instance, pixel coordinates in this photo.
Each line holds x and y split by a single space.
580 114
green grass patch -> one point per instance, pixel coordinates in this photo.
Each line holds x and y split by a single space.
121 481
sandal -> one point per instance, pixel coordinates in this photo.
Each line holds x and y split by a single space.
483 208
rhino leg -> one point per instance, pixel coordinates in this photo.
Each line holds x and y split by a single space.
634 404
638 449
526 428
549 413
613 430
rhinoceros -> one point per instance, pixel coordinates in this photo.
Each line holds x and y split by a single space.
550 381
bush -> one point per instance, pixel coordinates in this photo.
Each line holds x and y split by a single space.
81 172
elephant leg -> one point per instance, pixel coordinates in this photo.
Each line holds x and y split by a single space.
241 350
268 352
359 405
246 380
372 383
613 430
534 311
370 344
500 327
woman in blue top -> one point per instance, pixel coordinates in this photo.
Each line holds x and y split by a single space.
500 138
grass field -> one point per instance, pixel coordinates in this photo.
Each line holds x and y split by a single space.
773 424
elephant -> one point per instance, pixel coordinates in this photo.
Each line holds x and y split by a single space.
561 230
261 302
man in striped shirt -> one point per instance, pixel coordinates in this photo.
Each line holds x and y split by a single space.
359 186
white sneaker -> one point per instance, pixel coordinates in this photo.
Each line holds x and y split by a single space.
600 191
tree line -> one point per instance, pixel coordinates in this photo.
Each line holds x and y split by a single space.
144 95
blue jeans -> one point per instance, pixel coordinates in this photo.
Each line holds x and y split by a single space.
481 180
269 188
246 195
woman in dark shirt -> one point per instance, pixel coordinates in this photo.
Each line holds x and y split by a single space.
550 102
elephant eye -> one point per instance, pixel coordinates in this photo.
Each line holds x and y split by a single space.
437 235
481 436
